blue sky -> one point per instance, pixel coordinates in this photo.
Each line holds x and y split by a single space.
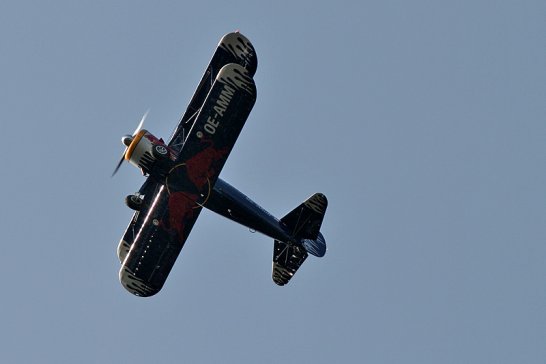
423 122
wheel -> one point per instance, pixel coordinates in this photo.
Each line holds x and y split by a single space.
133 202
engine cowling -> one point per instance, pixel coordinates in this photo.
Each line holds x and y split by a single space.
149 153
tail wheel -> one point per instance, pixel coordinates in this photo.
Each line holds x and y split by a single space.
134 202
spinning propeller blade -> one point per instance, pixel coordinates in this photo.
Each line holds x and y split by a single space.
126 140
141 122
119 164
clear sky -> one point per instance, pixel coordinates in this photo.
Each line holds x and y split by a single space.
424 122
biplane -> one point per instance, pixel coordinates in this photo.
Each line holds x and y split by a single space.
182 178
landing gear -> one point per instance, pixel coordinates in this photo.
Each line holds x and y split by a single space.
134 202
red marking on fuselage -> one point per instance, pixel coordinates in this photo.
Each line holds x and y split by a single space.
152 138
200 166
182 203
181 208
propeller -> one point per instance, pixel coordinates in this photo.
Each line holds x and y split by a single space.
127 140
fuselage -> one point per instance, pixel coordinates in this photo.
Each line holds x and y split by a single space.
163 167
221 198
229 202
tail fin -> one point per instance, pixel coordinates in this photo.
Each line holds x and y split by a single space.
304 225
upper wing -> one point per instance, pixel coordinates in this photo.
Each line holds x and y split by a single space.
177 204
233 48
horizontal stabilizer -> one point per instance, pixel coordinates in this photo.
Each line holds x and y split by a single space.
305 220
286 261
